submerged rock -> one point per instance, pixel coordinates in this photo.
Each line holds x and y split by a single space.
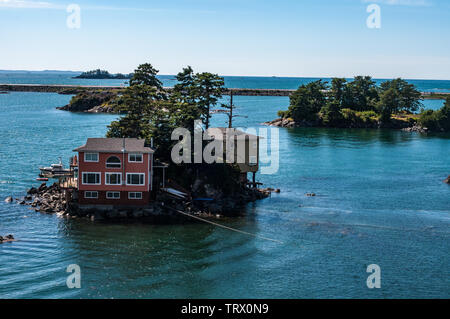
447 180
6 239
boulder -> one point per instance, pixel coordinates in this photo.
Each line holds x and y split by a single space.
32 191
42 188
447 180
6 239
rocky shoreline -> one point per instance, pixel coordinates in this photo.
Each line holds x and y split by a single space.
54 200
91 102
396 125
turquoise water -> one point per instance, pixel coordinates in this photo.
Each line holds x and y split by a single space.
380 200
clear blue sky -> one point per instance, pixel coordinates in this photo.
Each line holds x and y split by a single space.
231 37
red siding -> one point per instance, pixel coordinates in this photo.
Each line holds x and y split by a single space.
126 167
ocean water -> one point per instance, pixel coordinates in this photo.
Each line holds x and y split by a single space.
380 200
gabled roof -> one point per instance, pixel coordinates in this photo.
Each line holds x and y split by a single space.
114 145
228 132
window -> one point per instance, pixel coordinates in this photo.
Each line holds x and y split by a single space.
135 178
113 162
135 158
91 157
91 178
135 195
255 145
89 194
113 178
253 161
113 195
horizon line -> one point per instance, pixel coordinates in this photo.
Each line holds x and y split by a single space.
262 76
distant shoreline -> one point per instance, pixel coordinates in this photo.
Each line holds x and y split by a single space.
74 89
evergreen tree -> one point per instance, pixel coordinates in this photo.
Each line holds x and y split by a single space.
145 74
208 89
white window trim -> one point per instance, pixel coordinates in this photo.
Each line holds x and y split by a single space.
112 173
109 192
129 197
106 163
98 157
141 161
96 196
143 184
98 173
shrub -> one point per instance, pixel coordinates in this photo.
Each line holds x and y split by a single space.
284 114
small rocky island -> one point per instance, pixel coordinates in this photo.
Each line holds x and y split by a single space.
142 135
97 101
362 104
102 74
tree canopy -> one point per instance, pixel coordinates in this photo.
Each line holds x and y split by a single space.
437 120
146 74
321 104
152 113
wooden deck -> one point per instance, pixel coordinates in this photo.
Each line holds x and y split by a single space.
68 182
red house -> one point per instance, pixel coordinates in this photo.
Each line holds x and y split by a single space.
114 172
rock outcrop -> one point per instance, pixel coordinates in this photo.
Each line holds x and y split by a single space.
46 199
6 239
52 200
92 102
416 128
282 122
447 180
